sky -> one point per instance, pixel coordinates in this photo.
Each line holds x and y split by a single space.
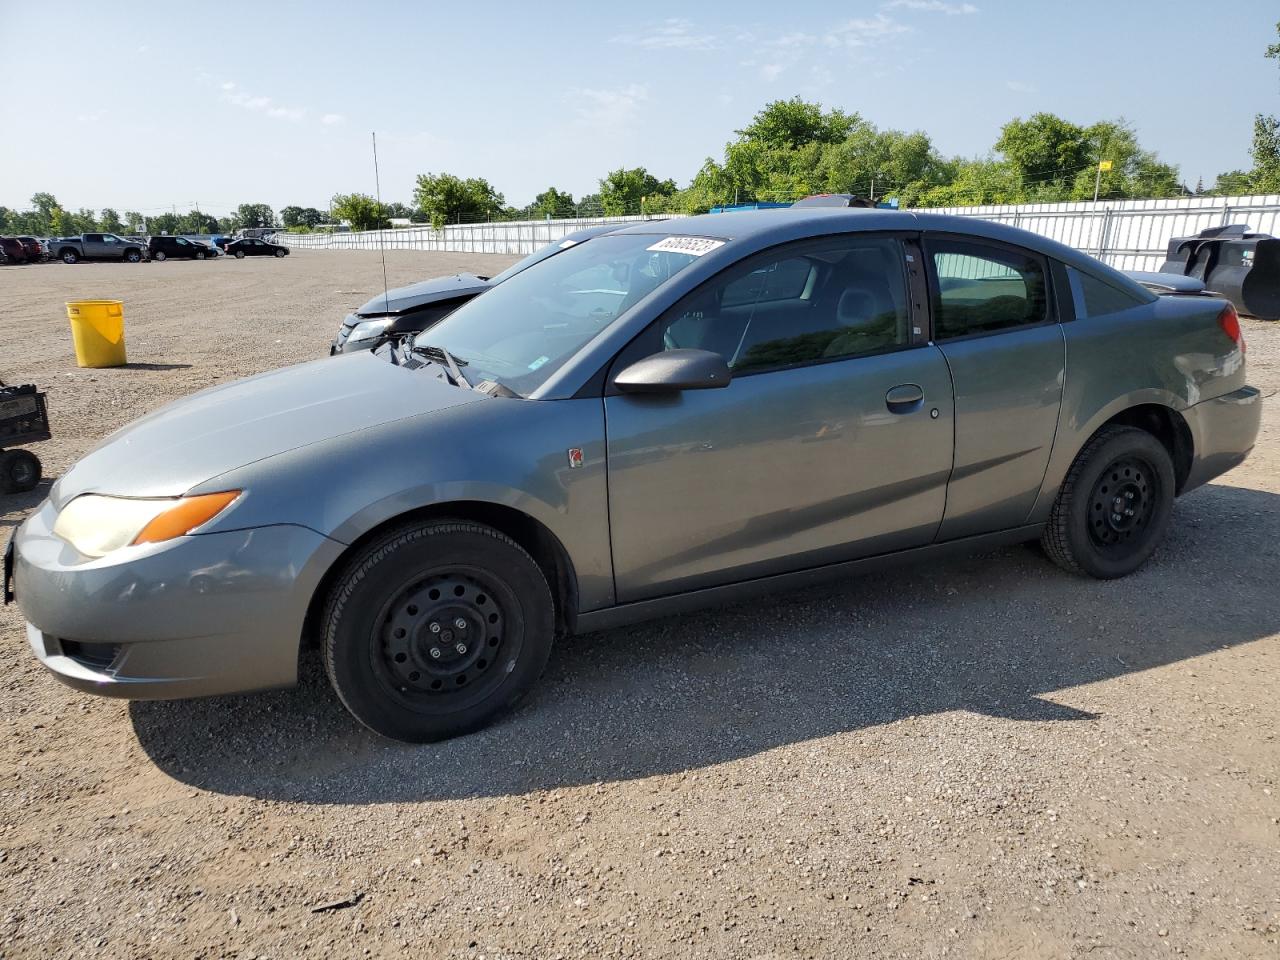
149 106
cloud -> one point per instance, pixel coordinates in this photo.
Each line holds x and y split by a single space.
268 107
1020 86
608 108
771 71
143 48
932 6
865 31
674 33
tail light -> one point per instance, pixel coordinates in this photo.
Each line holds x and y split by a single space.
1229 321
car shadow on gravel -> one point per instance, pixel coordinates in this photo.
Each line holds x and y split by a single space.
995 633
15 507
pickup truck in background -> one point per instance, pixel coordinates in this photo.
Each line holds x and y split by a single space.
97 246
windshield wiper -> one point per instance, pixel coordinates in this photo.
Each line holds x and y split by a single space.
438 354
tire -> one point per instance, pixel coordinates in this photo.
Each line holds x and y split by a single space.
19 471
404 679
1114 505
132 256
279 254
69 256
239 254
199 255
159 256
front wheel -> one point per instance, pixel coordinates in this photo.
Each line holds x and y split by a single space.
132 256
199 254
1114 505
19 471
437 629
279 254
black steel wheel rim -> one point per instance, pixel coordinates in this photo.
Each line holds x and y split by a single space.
1122 504
447 639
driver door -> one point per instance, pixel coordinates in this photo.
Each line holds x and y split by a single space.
832 441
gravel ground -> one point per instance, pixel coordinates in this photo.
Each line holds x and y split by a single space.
986 758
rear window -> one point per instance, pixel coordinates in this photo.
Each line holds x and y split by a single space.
1096 298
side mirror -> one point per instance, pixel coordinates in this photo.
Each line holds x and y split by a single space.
673 370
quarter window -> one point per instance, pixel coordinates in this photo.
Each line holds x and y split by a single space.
981 289
1095 298
819 301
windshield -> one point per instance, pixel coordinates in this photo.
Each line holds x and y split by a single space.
550 250
523 330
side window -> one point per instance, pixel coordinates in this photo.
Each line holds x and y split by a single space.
816 301
93 237
981 289
181 242
1095 298
109 238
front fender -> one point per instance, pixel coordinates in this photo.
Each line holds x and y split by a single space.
513 453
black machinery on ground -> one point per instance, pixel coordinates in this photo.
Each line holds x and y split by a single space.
24 418
1244 267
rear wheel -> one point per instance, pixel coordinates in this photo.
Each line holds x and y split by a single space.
70 256
239 254
437 629
1114 505
19 471
159 255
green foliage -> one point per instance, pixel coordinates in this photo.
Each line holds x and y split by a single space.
794 123
254 215
360 210
445 198
134 222
633 191
109 221
305 217
553 203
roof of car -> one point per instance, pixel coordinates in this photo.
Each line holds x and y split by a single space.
766 227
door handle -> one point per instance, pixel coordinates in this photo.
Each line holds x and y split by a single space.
904 398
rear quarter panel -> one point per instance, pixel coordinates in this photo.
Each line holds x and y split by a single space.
1170 352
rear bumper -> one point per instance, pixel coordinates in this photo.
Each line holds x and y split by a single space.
206 614
1223 433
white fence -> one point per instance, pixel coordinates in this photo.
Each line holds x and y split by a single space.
1128 234
516 237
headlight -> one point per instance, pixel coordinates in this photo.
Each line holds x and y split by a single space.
368 329
97 525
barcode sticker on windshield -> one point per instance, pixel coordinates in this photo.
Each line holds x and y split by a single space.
693 246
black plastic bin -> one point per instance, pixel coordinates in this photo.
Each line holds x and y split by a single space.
24 418
1244 267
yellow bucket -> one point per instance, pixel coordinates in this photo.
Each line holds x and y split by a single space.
97 327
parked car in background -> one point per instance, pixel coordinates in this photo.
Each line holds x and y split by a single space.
12 251
162 248
411 309
98 246
242 247
35 250
675 414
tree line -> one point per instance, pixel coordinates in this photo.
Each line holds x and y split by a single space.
790 149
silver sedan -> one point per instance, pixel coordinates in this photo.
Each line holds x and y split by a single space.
675 414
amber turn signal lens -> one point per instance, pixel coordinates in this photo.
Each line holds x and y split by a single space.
185 516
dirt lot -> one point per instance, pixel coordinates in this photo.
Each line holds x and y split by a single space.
987 758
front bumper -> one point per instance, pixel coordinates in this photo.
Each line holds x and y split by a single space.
198 615
1223 433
